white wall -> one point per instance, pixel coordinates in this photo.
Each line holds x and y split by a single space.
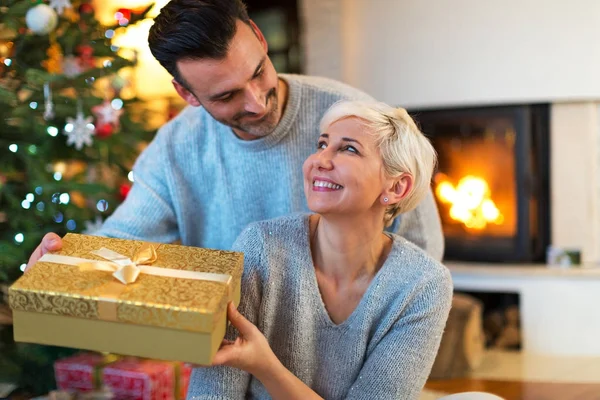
575 178
322 38
432 53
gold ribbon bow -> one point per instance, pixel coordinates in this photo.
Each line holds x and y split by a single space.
126 270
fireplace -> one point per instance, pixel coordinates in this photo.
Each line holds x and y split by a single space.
492 180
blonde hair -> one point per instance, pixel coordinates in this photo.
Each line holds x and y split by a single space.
403 147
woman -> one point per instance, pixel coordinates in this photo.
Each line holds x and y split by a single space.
333 307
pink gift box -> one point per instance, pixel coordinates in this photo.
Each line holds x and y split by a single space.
139 379
80 372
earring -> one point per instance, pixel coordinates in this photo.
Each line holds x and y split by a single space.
385 199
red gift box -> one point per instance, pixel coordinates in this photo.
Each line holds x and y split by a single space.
185 372
139 379
80 372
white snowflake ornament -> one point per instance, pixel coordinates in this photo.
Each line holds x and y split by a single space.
71 67
91 227
79 131
60 5
107 114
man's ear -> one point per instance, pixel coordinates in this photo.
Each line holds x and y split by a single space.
185 94
398 189
259 35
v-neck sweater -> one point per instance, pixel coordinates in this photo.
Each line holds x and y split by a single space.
384 350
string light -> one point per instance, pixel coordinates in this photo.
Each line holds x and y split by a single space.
19 238
40 206
130 176
33 105
64 198
22 267
58 217
53 131
116 104
57 176
13 147
102 205
30 197
71 225
8 62
25 204
39 190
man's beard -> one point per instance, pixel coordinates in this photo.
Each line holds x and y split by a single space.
262 127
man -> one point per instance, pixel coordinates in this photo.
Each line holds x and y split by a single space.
235 155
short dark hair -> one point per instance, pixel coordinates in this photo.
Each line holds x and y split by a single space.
194 29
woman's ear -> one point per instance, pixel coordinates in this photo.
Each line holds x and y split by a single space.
398 189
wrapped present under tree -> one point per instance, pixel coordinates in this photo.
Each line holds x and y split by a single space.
70 129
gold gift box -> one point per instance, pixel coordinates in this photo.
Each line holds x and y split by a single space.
156 317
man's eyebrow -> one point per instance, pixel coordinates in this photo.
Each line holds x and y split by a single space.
223 94
259 67
234 91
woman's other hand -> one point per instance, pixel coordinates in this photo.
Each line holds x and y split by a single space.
250 351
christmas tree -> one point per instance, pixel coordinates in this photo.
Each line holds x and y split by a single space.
68 139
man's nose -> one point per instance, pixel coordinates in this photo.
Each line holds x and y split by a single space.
255 100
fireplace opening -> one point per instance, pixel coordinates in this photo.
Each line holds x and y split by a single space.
501 319
492 181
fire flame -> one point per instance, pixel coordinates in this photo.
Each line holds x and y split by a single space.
471 202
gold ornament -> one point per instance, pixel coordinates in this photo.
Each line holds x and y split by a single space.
71 15
55 57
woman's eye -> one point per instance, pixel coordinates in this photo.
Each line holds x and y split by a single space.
321 145
351 149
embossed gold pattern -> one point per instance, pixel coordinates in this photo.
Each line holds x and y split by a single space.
186 304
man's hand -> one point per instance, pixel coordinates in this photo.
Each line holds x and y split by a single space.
250 351
50 242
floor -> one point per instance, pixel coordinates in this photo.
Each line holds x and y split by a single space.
520 376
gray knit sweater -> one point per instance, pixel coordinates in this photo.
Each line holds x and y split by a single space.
200 184
384 350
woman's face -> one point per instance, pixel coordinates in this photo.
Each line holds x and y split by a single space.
345 174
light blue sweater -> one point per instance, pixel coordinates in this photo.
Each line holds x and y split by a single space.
384 350
200 184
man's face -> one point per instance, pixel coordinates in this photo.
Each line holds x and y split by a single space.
241 90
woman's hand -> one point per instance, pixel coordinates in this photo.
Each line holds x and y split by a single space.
250 351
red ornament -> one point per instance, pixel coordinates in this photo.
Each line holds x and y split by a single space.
86 8
124 190
123 13
104 131
86 56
